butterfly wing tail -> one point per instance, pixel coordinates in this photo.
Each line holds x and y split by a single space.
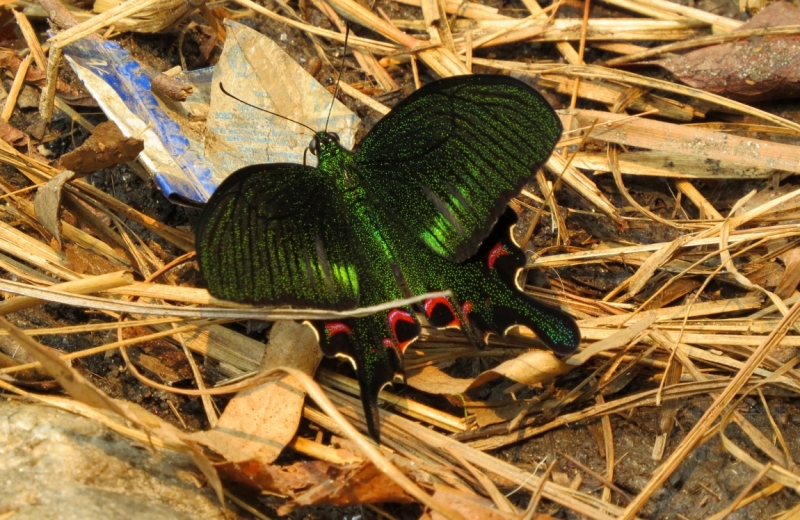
374 345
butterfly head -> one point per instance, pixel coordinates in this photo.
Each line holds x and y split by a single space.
324 144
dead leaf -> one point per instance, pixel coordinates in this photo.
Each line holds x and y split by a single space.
48 202
468 504
163 359
488 415
791 275
283 480
532 367
357 484
318 482
433 380
260 422
106 147
11 135
766 275
752 69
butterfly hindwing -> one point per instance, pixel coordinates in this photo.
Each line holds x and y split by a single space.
278 234
447 159
488 300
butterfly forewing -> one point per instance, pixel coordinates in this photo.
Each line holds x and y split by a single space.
447 159
278 234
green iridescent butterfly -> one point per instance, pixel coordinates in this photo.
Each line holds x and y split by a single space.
420 205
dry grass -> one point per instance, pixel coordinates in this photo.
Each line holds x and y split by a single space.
701 345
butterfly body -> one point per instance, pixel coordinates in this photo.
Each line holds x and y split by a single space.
414 208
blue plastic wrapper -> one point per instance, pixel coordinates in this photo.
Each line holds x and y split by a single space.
123 92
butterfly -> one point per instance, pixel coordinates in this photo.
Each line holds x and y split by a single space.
419 205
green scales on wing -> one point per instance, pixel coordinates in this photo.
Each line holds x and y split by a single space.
420 205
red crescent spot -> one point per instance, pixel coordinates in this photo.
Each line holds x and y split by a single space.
496 252
395 316
431 304
333 328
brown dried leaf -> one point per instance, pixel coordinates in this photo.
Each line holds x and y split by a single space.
318 482
48 202
260 422
433 380
765 275
487 415
468 504
106 147
166 361
356 484
86 262
791 275
753 69
11 135
284 480
532 367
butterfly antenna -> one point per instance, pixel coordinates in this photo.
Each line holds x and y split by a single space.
240 100
339 77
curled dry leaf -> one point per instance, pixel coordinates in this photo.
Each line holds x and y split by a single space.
753 69
318 483
106 147
468 504
159 356
259 422
486 415
48 202
356 484
283 480
791 275
531 368
433 380
13 136
766 275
